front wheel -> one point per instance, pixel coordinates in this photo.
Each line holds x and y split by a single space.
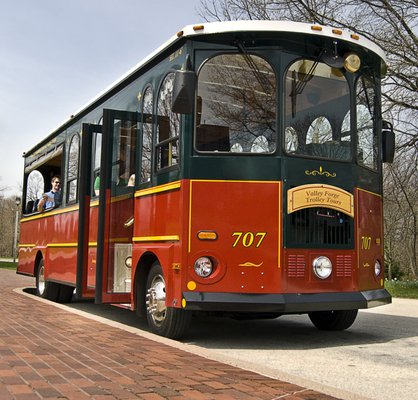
164 321
333 320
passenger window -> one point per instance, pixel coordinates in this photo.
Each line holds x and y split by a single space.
260 145
320 131
317 102
345 128
96 164
168 127
34 189
236 148
147 112
236 105
72 170
291 140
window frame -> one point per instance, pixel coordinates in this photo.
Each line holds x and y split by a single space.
68 170
156 132
376 147
96 163
151 123
276 111
352 136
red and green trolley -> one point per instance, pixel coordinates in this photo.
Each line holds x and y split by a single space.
236 170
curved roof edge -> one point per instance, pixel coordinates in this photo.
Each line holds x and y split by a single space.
283 26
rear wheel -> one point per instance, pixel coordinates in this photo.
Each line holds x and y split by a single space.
333 320
45 289
65 293
165 321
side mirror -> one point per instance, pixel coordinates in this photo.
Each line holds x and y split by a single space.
184 88
388 142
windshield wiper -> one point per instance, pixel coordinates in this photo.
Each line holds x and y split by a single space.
261 79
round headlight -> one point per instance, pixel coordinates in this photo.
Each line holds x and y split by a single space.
377 268
322 267
203 267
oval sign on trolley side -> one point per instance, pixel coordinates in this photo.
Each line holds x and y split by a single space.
318 195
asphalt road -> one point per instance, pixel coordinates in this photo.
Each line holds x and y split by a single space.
377 358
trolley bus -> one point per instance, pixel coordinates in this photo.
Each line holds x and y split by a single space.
237 170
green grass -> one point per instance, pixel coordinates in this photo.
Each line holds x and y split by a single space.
405 289
8 265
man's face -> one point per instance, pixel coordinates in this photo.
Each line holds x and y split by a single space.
56 183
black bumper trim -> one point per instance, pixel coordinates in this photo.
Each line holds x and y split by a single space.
286 303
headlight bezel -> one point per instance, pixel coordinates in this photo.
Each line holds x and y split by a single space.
377 268
219 267
204 267
322 267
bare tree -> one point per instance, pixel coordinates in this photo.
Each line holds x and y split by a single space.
7 221
2 189
35 186
401 210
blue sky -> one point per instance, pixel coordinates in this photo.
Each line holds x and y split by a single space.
56 55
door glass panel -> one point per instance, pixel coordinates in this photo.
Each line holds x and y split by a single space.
124 150
366 138
96 164
121 205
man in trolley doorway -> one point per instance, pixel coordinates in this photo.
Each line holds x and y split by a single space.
52 198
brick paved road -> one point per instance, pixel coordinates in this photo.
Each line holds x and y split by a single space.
49 353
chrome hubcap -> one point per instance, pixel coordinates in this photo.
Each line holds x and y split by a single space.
155 300
41 280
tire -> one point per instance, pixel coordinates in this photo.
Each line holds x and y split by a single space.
164 321
65 293
45 289
333 320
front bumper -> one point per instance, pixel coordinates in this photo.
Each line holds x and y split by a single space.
289 303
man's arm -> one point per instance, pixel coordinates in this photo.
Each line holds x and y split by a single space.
44 199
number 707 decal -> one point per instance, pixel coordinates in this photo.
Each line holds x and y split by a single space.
248 239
